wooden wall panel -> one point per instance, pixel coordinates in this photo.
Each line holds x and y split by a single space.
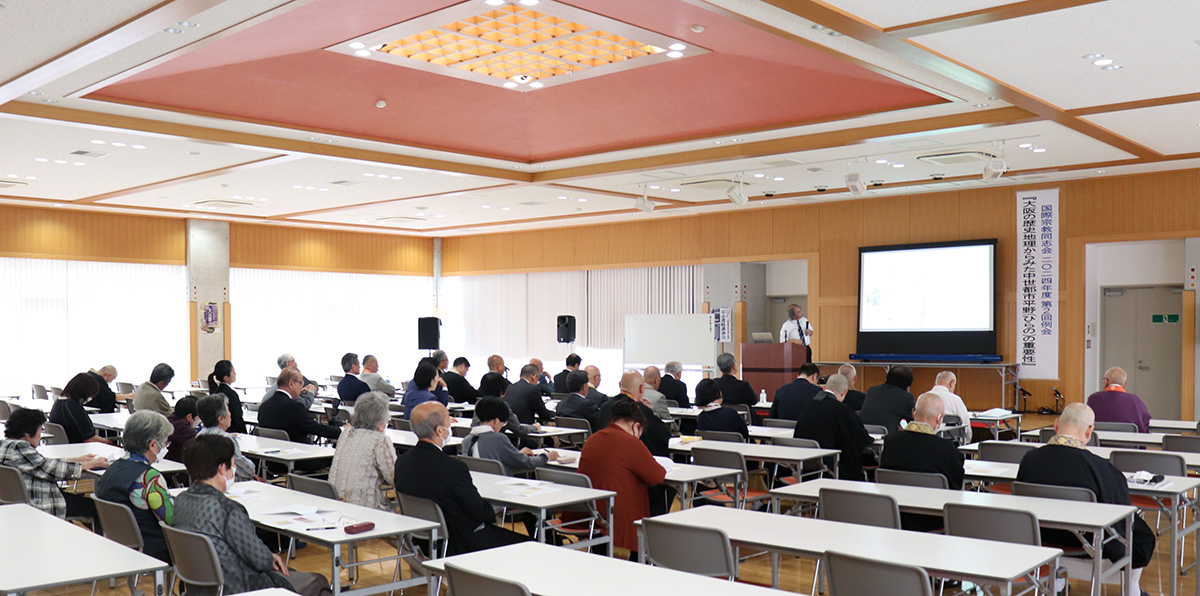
934 218
276 247
1166 203
886 221
752 233
33 233
714 235
837 334
840 237
796 229
662 241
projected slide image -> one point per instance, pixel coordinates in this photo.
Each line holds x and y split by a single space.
928 289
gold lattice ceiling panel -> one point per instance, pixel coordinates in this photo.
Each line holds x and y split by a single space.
517 46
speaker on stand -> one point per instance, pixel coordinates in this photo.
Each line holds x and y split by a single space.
429 333
566 329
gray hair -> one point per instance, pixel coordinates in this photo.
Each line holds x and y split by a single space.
211 408
847 370
529 370
837 384
145 426
369 410
440 356
726 362
944 378
283 360
426 428
673 368
108 369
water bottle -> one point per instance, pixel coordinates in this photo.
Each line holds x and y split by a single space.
762 396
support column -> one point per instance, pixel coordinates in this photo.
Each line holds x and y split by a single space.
208 294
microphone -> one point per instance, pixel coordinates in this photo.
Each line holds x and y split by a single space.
1024 392
1057 394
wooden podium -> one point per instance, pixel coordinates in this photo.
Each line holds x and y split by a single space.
771 366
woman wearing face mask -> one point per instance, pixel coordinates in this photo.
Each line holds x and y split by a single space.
246 562
133 483
616 459
221 381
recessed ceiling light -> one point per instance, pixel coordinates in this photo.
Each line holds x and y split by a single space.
323 189
486 206
674 54
310 188
760 175
834 34
1093 56
563 197
97 142
1103 62
981 105
357 45
326 227
1112 67
261 199
1101 171
36 93
881 161
173 30
674 190
31 177
494 2
297 186
60 161
697 28
537 85
529 2
239 196
187 24
654 187
1025 145
778 179
362 53
506 208
510 85
439 215
14 176
368 174
1039 149
50 100
820 27
897 165
202 216
678 47
40 159
138 146
118 144
582 200
78 163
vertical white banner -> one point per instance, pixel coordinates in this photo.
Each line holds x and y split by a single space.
1037 283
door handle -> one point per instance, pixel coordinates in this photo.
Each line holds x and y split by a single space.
1142 366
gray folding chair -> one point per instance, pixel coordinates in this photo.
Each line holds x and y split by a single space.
1050 491
272 433
196 561
578 423
39 392
484 465
12 489
401 424
470 583
876 429
1005 451
1046 433
125 388
1120 427
779 423
429 511
460 431
736 493
864 509
720 435
958 435
121 527
850 575
745 411
923 479
5 410
1181 443
672 403
813 468
272 380
585 526
692 549
313 486
58 434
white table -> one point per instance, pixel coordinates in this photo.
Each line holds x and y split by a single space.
114 421
42 551
407 438
979 561
767 433
683 476
1096 518
792 457
550 571
279 451
497 490
1173 427
684 412
1110 438
995 422
110 452
1191 460
45 405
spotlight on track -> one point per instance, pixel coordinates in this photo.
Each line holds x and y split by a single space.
856 184
736 194
994 169
643 203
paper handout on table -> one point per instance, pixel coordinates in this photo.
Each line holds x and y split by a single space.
295 509
520 482
665 462
992 413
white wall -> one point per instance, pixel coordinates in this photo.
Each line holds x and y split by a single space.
787 278
1113 264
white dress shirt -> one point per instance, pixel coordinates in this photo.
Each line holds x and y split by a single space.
954 407
792 329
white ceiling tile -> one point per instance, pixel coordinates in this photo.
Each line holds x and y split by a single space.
1170 129
892 14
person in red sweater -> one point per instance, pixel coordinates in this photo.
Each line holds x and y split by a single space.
617 460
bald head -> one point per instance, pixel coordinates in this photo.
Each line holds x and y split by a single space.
633 384
848 371
427 417
837 385
652 376
946 379
593 374
1077 420
1115 376
538 363
930 409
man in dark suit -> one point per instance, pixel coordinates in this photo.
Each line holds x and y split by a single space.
576 405
105 400
889 403
525 398
560 380
790 398
456 383
284 411
854 397
828 421
733 389
671 387
593 393
350 387
426 472
543 381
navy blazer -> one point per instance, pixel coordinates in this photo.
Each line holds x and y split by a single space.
674 390
525 401
576 406
281 412
790 398
350 387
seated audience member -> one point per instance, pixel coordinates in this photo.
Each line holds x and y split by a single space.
671 387
655 434
733 389
889 403
308 391
576 404
68 411
284 411
487 441
495 363
653 397
365 456
246 562
544 383
441 360
426 472
713 416
944 386
854 397
350 387
1066 461
41 475
131 481
372 378
560 379
593 393
524 397
494 385
918 448
149 395
790 398
184 420
220 381
214 415
457 385
105 400
828 421
1114 404
616 459
426 386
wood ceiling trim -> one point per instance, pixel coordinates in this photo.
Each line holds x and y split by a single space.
213 173
146 24
1133 105
236 139
386 201
992 14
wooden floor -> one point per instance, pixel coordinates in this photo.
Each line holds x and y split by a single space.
796 575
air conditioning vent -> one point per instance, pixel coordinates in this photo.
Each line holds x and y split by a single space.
782 163
223 204
721 184
12 183
957 158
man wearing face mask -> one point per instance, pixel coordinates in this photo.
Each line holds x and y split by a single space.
131 481
425 471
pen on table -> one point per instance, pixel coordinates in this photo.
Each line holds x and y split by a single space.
320 528
271 451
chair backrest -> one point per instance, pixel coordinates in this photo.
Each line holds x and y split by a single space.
864 509
427 510
720 435
39 392
272 380
470 583
691 549
1050 491
196 561
779 423
336 378
718 458
460 431
580 423
1181 443
1009 452
129 405
125 388
401 424
850 575
58 434
672 403
1046 433
1155 462
876 429
795 442
5 410
563 477
12 489
991 523
313 486
951 420
479 464
1120 427
272 433
925 479
119 524
203 384
56 392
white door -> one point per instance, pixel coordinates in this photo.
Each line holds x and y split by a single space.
1143 333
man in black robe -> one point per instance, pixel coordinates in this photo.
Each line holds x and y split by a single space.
828 421
918 448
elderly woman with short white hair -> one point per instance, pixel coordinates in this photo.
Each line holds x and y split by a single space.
131 481
365 457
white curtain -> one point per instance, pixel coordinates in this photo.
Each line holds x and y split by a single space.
319 316
65 317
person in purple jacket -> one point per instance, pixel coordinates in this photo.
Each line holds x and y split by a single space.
1114 404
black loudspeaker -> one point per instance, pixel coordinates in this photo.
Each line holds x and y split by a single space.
429 333
566 329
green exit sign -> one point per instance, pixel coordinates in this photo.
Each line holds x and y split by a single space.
1165 318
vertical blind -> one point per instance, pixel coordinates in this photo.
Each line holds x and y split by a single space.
64 317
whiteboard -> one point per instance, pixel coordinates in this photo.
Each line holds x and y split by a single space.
658 339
